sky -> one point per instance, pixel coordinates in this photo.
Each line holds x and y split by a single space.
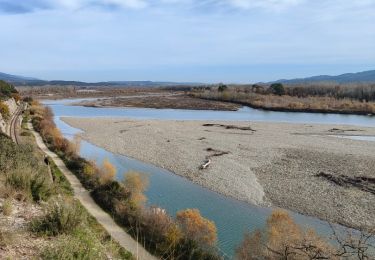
232 41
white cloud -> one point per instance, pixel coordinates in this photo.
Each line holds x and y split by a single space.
77 4
266 4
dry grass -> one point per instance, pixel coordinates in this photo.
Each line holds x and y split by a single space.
291 103
7 207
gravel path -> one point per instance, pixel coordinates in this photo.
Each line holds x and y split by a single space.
258 162
116 232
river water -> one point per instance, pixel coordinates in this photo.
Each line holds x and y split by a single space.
167 190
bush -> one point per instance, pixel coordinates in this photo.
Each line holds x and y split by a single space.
81 245
62 216
6 90
277 89
7 207
33 184
4 110
284 239
197 227
222 88
24 174
137 184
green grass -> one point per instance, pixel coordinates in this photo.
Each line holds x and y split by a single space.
62 216
62 184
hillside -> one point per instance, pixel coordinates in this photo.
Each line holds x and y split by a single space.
28 81
365 76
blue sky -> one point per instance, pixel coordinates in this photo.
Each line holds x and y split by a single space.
186 40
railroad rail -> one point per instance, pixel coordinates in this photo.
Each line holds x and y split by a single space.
13 124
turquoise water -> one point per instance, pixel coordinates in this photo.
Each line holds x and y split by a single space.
174 193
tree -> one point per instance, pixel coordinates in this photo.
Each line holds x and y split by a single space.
196 227
107 172
222 88
137 184
284 239
277 89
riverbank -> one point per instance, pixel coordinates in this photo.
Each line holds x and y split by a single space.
285 103
262 163
161 100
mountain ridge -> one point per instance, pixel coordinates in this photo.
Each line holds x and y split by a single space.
356 77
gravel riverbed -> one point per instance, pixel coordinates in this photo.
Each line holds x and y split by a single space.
268 164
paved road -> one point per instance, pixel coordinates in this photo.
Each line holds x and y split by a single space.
117 233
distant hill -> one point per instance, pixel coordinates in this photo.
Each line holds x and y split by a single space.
365 77
28 81
13 78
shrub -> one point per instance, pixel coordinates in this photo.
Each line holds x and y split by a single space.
61 216
106 173
110 194
4 110
137 184
7 207
222 88
284 239
34 184
277 89
6 89
81 245
196 227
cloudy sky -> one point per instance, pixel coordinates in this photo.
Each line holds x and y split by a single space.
186 40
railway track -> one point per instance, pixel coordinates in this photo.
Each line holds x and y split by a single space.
13 124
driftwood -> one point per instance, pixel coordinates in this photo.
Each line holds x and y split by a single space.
364 183
206 164
245 128
214 153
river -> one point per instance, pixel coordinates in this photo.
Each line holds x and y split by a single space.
167 190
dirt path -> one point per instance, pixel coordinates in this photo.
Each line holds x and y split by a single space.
117 233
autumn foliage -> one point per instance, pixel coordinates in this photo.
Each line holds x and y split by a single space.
197 227
284 239
137 184
106 173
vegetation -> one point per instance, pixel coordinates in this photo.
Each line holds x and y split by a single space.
62 216
4 110
189 237
26 178
284 239
351 99
7 90
222 88
7 208
277 89
79 245
66 229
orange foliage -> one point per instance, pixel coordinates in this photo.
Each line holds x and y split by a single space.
282 230
137 184
284 239
107 172
197 227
